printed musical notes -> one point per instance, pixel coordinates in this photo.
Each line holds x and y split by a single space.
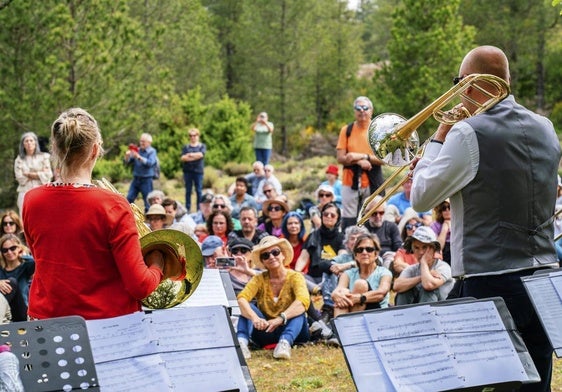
429 348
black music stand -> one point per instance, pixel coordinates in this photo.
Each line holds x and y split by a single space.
362 334
54 354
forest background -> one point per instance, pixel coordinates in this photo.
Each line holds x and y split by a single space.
164 66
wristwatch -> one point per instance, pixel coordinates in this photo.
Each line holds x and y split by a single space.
362 299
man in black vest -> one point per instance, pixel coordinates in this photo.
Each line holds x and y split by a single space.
499 169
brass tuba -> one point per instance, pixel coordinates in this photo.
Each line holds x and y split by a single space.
395 140
183 260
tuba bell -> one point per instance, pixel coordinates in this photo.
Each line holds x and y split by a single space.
183 259
395 140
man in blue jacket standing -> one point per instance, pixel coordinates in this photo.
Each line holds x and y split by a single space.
144 160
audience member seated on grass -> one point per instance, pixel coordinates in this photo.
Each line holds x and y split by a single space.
205 209
428 281
155 197
241 198
254 179
321 246
442 229
16 270
339 264
201 232
332 173
242 271
179 213
211 248
222 202
157 218
324 195
386 231
402 259
281 298
249 222
366 286
274 210
220 224
11 224
295 232
271 179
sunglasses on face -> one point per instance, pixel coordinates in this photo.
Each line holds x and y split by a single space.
275 208
364 108
457 79
380 213
445 207
216 206
329 215
324 195
12 248
368 249
235 251
265 255
8 223
410 226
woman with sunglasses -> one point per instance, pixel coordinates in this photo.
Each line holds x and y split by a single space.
274 210
273 303
367 286
322 245
324 194
402 259
16 269
442 228
11 224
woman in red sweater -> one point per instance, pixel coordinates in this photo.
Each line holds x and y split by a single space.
83 238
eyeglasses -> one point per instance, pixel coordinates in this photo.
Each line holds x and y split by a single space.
364 108
325 195
414 226
12 248
457 79
275 208
267 190
445 207
219 205
329 215
380 213
8 223
368 249
265 255
235 251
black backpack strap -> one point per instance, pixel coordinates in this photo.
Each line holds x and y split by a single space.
349 128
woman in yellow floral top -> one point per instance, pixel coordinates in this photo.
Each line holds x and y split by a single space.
281 299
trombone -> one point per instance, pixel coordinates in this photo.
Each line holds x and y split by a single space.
395 141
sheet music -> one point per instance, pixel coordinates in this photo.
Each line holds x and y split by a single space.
209 292
547 302
191 328
482 347
143 374
430 348
165 350
205 370
120 337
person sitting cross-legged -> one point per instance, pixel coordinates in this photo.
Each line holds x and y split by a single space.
428 281
278 315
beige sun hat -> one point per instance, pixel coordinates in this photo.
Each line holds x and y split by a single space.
277 200
157 209
268 242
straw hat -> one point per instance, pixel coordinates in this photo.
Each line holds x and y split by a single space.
157 209
277 200
268 242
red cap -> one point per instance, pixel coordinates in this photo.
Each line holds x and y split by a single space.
332 169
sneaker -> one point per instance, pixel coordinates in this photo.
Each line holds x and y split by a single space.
245 349
9 373
333 341
282 350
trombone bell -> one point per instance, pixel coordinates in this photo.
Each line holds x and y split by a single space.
389 146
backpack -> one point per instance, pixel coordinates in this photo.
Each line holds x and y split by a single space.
156 175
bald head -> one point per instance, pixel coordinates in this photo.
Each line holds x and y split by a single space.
486 60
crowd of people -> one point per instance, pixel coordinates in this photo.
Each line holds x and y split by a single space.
294 270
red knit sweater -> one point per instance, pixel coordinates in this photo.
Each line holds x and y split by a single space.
87 254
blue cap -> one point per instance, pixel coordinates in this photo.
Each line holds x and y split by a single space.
210 244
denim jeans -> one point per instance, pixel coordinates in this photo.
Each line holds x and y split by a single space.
192 180
142 185
263 155
511 289
296 330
